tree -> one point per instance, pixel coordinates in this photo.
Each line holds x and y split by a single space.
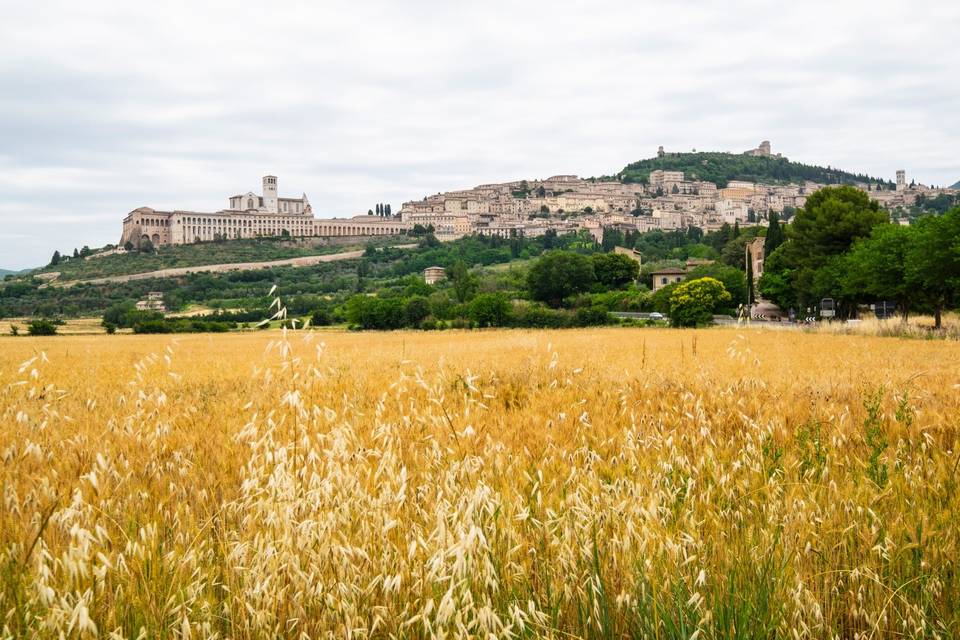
369 212
550 239
611 238
76 254
933 260
732 278
55 260
877 266
386 210
830 222
489 310
750 297
774 234
128 246
693 303
614 269
146 246
415 310
559 274
465 284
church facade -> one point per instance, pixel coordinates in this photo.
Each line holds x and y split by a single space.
249 216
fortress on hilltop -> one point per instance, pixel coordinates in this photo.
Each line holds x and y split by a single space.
248 216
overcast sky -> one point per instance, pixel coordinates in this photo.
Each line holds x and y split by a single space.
108 106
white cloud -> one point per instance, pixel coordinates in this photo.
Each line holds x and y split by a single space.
106 106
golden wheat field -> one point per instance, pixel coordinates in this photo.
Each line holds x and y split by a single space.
602 483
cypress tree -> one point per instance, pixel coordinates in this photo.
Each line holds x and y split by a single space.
774 234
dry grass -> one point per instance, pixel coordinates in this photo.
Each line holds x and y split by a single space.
917 327
595 483
71 327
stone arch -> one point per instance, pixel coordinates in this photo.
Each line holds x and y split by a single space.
155 239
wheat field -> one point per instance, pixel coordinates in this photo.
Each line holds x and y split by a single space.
602 483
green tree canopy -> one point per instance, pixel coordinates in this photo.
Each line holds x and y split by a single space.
489 310
775 235
733 279
559 274
830 222
615 269
877 267
933 259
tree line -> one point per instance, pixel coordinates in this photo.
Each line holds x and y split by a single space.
842 245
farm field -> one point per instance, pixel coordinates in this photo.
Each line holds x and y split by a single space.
599 483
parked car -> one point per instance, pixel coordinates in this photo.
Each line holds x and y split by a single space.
656 315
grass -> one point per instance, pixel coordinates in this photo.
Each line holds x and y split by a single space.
602 483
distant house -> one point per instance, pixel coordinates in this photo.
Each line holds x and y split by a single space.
432 275
152 302
668 276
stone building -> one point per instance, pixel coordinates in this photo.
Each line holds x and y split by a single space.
249 216
664 277
754 253
433 275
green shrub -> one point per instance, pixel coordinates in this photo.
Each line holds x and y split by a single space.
42 328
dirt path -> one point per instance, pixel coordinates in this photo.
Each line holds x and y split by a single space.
302 261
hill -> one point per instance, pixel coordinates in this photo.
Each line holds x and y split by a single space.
955 185
207 253
720 168
6 272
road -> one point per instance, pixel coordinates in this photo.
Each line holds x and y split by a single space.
302 261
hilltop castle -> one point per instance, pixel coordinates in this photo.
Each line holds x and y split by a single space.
248 216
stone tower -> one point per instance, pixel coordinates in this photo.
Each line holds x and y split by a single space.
270 193
901 179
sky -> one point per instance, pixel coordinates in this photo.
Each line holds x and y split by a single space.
109 106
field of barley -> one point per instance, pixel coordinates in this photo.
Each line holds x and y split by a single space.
602 483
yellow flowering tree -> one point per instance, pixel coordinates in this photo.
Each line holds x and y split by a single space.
693 303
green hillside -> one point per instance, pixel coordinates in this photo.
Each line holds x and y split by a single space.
720 168
194 255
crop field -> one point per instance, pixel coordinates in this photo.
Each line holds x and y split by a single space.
601 483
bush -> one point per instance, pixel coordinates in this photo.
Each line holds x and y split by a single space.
42 328
592 316
321 318
110 327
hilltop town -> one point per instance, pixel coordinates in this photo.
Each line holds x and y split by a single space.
646 196
662 199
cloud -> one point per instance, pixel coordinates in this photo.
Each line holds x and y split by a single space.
106 106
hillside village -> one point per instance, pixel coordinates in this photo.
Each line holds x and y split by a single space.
666 200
